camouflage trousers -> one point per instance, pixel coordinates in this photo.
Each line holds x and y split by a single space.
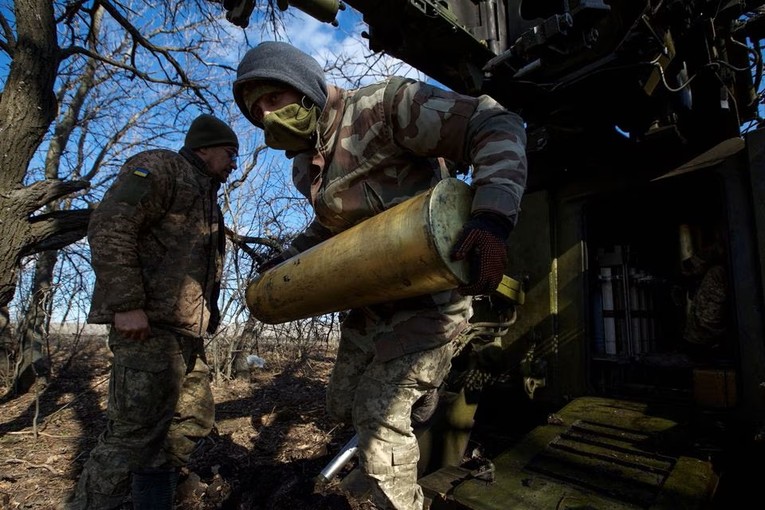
160 404
377 397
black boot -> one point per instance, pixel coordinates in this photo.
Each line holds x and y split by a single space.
154 489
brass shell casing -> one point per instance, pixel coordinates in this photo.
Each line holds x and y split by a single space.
400 253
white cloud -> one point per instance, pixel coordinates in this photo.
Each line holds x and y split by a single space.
326 43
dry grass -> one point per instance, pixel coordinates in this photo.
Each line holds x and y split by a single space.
272 436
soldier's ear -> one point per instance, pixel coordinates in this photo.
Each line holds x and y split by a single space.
204 153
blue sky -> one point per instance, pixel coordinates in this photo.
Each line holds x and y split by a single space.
321 40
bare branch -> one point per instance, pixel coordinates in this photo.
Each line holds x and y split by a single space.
251 165
117 136
133 70
140 40
35 196
55 230
9 43
243 243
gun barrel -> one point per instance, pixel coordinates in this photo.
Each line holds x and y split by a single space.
341 459
322 10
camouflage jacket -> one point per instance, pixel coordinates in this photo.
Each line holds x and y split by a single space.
156 242
384 143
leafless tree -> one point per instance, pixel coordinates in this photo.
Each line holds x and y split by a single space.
87 82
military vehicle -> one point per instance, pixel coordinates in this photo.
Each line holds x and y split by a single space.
633 374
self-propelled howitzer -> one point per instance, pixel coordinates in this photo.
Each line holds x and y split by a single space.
633 374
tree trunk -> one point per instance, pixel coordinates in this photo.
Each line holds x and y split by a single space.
34 363
7 350
27 109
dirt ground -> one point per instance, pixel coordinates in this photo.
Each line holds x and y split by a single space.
272 437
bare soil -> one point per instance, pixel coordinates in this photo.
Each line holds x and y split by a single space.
271 439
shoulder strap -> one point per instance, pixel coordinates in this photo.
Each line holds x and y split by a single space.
391 87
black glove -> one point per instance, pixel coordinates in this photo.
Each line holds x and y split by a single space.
425 407
482 242
273 261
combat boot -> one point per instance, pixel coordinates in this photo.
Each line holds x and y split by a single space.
154 489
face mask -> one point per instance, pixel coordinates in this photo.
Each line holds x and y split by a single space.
291 128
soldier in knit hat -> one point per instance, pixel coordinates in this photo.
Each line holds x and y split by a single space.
157 242
355 154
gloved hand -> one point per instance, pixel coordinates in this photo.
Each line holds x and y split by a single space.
482 242
272 262
425 407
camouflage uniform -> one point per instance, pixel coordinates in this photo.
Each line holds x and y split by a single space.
157 244
707 318
378 146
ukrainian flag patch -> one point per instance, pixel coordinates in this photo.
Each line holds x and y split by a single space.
141 172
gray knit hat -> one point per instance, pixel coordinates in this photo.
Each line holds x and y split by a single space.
209 131
283 63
